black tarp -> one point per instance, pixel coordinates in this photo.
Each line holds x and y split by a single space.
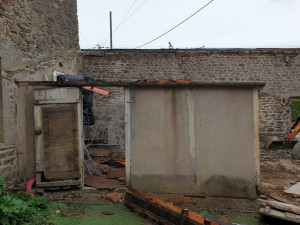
87 97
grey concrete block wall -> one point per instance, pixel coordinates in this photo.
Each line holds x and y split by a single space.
279 68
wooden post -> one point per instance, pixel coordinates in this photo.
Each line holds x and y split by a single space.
110 22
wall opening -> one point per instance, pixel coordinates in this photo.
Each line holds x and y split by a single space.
295 108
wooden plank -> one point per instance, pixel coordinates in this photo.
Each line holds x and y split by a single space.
140 84
287 216
59 183
281 206
61 154
96 90
56 96
162 212
38 139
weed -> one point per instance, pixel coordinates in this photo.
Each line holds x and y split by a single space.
21 208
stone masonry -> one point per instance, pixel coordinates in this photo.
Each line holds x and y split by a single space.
33 31
278 68
36 37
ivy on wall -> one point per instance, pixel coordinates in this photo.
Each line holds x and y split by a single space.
295 108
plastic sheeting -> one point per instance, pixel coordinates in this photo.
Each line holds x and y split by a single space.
87 96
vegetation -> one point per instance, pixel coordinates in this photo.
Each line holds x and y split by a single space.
94 214
295 108
21 208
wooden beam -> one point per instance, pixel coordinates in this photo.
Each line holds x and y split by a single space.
133 84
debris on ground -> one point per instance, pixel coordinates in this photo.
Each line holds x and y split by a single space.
162 212
101 182
294 190
105 168
115 173
281 211
114 197
277 176
107 213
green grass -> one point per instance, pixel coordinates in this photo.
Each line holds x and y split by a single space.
92 214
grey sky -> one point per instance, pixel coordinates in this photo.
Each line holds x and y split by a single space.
222 24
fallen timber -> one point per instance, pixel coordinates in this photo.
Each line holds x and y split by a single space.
162 212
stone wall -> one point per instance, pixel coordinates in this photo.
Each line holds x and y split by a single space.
34 31
8 161
279 68
36 37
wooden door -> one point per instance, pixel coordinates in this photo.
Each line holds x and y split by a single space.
58 125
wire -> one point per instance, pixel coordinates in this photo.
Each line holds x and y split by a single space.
84 38
135 11
125 16
176 25
104 40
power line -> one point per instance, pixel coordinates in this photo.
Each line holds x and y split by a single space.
104 40
176 25
135 11
125 16
84 38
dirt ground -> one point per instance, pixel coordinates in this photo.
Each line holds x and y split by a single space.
277 175
278 172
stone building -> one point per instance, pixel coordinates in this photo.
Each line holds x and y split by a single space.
278 68
36 37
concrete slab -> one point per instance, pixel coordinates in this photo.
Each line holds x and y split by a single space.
294 189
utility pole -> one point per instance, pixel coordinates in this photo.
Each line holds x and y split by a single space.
110 19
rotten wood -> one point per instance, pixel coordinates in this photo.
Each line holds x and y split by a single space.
59 183
283 215
60 150
281 206
162 212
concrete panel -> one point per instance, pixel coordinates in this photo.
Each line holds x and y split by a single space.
159 139
224 127
193 140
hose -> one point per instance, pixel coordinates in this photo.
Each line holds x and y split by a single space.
29 186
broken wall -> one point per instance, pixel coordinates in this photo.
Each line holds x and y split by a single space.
36 37
279 68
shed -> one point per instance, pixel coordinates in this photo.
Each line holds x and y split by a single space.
189 137
192 138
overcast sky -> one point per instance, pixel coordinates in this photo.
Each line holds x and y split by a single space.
222 24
